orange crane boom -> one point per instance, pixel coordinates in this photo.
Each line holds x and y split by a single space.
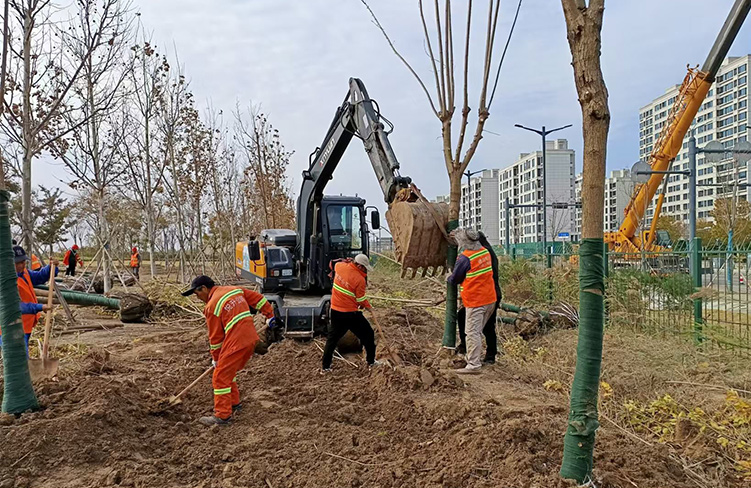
690 97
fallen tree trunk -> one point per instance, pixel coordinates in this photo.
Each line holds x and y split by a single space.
132 307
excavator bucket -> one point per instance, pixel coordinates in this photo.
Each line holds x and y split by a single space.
419 242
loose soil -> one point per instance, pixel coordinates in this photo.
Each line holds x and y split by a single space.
415 426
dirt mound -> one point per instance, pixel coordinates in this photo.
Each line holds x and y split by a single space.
419 425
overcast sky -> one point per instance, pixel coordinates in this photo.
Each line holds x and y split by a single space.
294 57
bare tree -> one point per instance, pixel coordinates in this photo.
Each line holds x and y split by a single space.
455 126
41 77
584 32
170 120
92 153
146 172
266 162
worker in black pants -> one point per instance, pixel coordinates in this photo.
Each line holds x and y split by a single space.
347 302
491 338
340 323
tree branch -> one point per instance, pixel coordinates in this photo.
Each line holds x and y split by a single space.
393 48
465 105
436 73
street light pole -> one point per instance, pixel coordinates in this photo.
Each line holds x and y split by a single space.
544 133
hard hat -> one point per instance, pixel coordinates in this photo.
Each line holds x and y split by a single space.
363 261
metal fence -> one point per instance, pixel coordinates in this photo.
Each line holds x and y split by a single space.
657 292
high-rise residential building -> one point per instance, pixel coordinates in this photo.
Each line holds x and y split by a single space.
521 183
479 204
479 207
722 117
618 190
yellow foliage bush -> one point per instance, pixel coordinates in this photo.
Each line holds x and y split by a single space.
728 428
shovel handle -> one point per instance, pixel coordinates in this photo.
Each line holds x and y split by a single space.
394 357
48 316
195 382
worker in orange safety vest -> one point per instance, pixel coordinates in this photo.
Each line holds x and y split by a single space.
135 262
347 301
26 280
473 272
232 338
71 260
36 264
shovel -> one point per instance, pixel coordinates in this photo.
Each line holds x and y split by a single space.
389 353
45 367
176 399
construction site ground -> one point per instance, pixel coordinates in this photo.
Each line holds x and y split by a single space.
419 425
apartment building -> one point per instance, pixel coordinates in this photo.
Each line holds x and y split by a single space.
521 184
479 207
722 117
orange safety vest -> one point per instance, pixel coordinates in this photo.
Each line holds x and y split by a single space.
134 260
35 263
26 292
348 292
478 288
230 320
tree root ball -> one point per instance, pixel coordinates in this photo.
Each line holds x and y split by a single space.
135 308
349 343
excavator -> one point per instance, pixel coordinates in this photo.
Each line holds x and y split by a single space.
690 98
293 267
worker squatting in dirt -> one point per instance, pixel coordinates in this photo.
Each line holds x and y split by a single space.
347 301
232 338
26 280
473 273
491 338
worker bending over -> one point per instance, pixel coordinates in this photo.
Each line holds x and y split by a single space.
229 314
26 280
135 262
491 338
473 272
347 298
71 260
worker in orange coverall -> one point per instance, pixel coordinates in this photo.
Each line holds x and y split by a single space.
232 338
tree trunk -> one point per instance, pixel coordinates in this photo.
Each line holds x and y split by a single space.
18 393
584 26
150 236
178 208
28 136
104 235
449 324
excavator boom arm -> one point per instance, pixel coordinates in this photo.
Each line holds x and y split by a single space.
358 116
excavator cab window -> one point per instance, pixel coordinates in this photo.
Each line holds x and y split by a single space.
663 238
344 227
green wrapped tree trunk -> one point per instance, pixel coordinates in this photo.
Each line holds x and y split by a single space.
578 444
584 34
18 393
87 299
449 326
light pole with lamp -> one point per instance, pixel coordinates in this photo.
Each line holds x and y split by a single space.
544 133
714 152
